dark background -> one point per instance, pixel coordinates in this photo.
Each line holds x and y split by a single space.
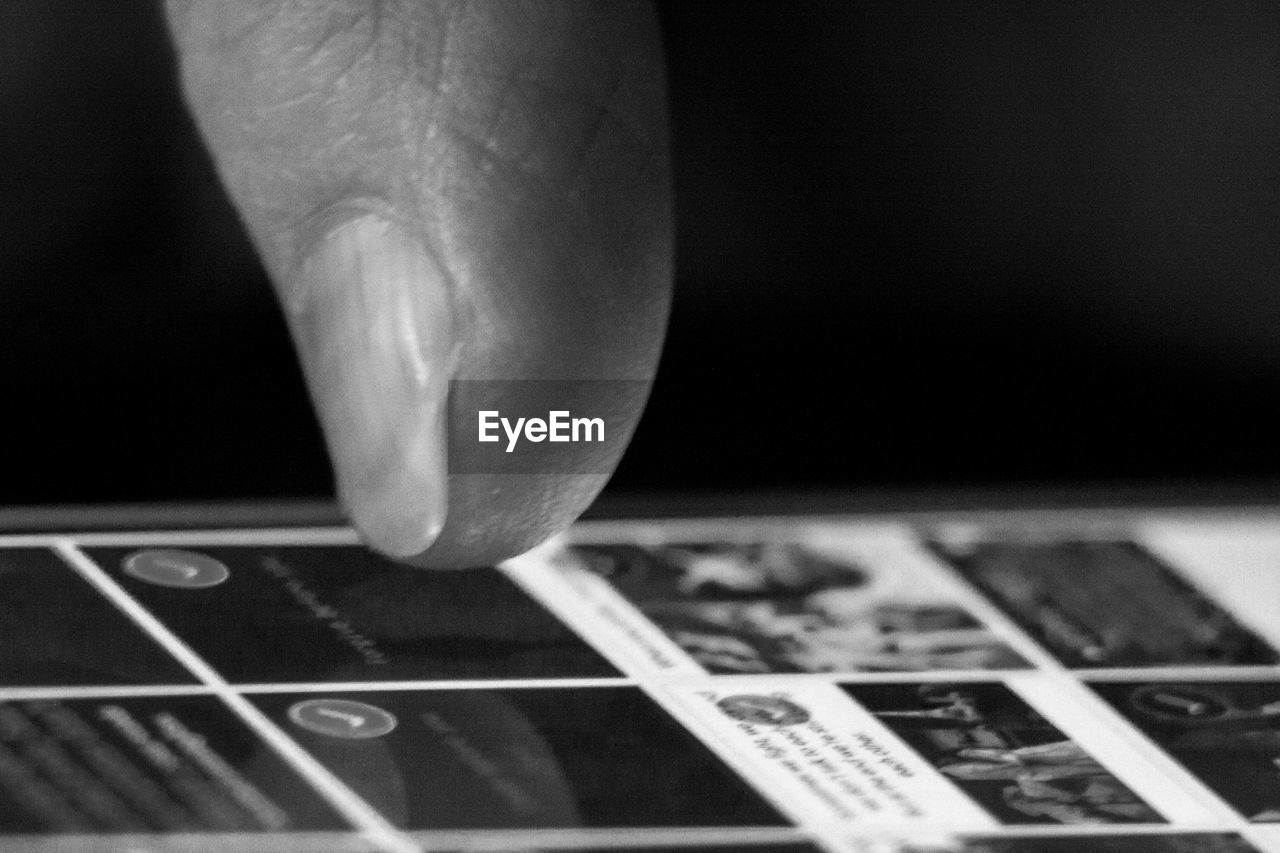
919 244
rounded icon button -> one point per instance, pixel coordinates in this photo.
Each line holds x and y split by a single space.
182 569
1181 703
775 710
342 718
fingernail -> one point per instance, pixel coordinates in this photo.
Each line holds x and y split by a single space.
371 318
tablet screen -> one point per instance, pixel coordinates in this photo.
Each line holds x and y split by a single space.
1051 681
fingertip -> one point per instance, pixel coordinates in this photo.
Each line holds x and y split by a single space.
370 313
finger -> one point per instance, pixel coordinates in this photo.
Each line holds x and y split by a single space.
444 191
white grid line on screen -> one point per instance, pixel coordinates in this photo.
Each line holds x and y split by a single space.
365 818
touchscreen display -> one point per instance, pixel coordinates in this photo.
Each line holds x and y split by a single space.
1016 683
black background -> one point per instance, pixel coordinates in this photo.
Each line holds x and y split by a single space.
920 243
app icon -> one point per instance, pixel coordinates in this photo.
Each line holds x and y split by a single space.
172 568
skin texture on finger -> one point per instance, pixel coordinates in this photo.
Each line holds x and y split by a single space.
516 154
